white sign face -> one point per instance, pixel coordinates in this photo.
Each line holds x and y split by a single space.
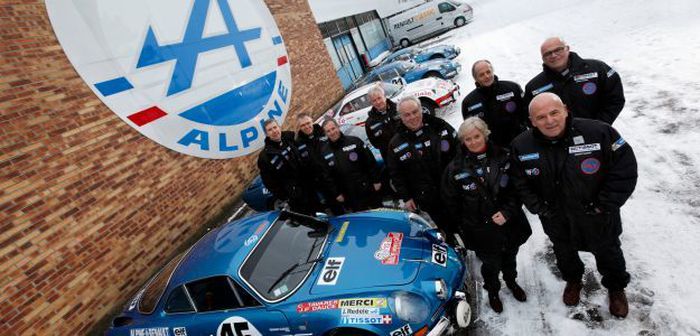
196 76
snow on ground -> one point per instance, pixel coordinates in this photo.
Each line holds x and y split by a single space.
655 46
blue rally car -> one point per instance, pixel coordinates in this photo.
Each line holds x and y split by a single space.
381 272
412 71
420 55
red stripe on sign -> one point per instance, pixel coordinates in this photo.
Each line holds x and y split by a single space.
146 116
282 60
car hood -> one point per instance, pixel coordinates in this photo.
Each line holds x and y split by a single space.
369 254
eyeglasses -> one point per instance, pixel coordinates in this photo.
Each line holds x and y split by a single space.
551 53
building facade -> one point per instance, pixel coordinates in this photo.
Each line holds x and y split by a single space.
90 207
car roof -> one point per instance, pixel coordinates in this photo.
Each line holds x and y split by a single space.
221 251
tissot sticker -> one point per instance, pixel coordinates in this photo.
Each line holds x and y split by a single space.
331 271
237 326
196 76
439 255
376 319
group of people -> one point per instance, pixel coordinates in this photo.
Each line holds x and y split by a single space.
551 148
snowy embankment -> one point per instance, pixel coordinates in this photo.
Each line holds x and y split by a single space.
655 46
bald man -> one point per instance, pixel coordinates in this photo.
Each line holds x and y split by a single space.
589 87
498 102
576 174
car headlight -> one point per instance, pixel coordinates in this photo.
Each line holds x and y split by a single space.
441 289
411 307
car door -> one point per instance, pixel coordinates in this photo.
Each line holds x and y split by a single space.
447 13
224 308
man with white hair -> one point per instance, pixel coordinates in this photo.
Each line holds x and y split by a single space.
576 174
497 102
382 119
589 88
418 154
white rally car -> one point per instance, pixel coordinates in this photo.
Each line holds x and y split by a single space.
435 95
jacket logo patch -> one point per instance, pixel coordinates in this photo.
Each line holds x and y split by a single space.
590 166
578 140
542 89
274 159
505 96
511 106
352 156
444 145
461 176
329 156
405 156
529 157
469 187
443 133
349 148
474 107
587 148
611 72
532 172
585 77
401 147
374 126
302 146
619 143
378 133
589 88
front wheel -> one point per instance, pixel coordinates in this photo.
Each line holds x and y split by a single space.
460 21
405 43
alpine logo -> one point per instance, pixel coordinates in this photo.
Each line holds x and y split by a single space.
196 76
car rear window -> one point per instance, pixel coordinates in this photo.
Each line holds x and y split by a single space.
287 247
154 290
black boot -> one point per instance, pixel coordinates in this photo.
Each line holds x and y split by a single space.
495 302
518 292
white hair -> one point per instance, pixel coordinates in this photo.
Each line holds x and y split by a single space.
407 99
470 124
376 90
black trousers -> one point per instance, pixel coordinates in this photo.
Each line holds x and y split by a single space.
597 234
494 262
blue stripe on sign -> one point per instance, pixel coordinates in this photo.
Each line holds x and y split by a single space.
114 86
277 40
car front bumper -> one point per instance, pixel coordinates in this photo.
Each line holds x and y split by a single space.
453 318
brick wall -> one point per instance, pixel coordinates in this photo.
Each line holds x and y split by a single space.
90 208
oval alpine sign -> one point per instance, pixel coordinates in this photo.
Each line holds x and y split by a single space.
196 76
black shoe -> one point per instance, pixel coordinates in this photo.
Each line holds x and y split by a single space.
572 293
618 303
517 291
495 302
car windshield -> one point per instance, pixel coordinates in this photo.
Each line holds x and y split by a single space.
355 104
285 256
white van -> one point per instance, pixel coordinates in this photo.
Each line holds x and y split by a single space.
427 19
